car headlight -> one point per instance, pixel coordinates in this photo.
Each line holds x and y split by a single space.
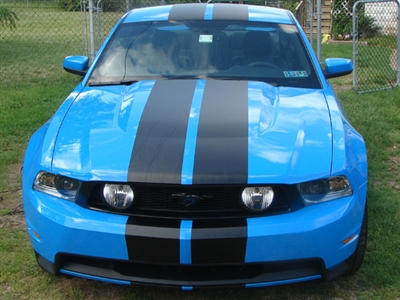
322 190
257 199
56 185
118 196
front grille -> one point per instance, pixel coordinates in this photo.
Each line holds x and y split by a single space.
210 199
166 200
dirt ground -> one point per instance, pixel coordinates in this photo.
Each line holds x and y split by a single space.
11 207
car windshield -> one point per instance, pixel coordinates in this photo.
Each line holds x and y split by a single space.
269 52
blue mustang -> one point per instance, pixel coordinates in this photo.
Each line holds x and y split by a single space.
204 146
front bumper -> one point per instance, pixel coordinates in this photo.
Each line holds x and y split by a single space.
311 243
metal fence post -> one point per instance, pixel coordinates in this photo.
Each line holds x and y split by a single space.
310 20
398 42
354 34
98 11
319 31
91 29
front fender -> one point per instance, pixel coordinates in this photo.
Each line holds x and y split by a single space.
40 148
349 152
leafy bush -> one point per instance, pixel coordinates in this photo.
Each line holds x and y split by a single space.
8 18
70 5
367 27
106 5
343 20
113 5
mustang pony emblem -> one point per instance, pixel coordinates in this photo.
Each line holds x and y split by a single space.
188 200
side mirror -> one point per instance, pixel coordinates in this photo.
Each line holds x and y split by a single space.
76 64
336 67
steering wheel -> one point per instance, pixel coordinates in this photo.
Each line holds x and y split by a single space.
263 64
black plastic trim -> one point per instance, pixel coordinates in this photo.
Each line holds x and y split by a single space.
214 275
193 275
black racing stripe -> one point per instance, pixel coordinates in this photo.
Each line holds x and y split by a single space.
190 11
153 240
221 150
159 146
219 241
230 12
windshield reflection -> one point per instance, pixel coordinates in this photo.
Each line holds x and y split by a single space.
272 53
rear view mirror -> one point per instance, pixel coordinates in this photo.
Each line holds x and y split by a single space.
76 64
336 67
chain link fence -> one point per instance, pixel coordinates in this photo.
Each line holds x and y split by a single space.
43 32
107 12
43 35
372 26
39 33
376 44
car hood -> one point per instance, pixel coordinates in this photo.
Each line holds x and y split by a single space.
195 132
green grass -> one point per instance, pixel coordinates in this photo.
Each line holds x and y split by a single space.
376 117
50 28
368 76
380 50
375 63
33 86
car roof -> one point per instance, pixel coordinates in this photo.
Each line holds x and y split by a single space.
211 11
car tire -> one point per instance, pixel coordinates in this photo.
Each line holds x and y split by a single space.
357 258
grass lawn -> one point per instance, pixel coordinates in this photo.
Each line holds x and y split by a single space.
29 96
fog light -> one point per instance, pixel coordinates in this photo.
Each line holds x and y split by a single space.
118 196
257 199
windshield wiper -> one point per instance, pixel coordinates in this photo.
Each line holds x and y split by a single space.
128 82
122 82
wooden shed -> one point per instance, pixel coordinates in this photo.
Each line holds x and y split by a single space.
326 18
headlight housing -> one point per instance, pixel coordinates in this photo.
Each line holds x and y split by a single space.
322 190
57 185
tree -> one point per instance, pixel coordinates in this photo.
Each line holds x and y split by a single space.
8 18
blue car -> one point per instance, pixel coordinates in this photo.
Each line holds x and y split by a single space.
204 147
